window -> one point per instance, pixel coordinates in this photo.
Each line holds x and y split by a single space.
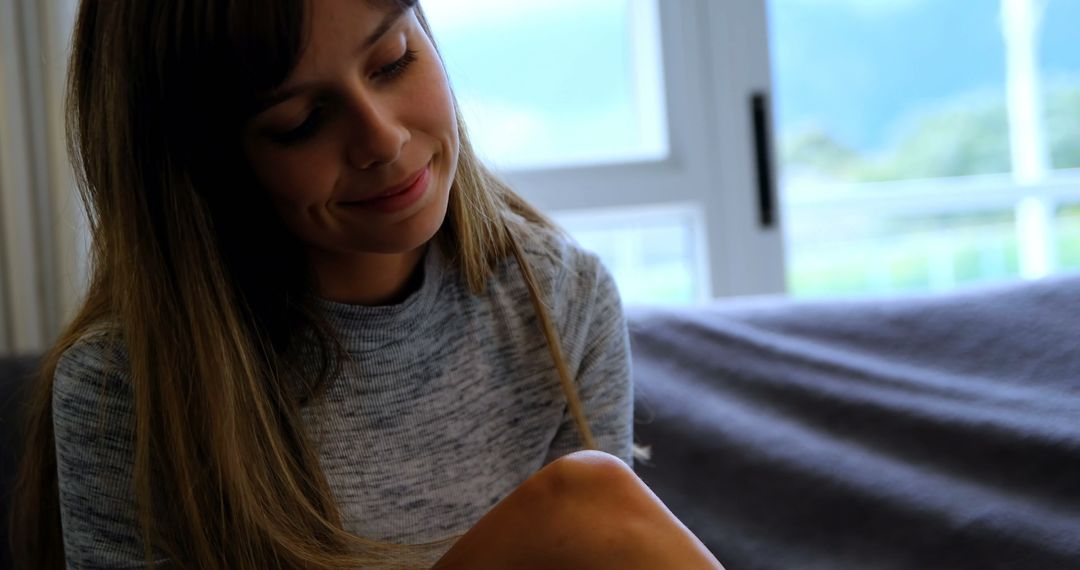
926 158
606 115
654 254
558 82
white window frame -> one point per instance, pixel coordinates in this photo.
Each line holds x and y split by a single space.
715 56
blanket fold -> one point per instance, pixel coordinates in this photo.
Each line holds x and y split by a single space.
936 431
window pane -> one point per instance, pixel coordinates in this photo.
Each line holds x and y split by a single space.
872 90
937 126
1068 234
555 82
654 255
849 252
1059 58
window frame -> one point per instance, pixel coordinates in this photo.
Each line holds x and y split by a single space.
714 56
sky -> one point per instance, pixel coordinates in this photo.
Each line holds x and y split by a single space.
854 67
541 83
551 76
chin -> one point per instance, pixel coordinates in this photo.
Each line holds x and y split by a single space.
408 234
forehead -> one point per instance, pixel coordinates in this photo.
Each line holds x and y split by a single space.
336 29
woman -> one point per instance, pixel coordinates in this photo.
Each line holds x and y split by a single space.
317 328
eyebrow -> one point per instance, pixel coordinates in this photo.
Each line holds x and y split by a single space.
384 26
278 95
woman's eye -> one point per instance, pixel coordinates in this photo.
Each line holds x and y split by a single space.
311 124
392 70
302 131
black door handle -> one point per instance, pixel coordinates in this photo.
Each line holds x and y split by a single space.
766 183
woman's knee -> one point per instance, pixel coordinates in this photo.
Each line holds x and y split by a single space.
582 472
591 480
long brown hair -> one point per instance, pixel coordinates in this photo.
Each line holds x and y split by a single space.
213 319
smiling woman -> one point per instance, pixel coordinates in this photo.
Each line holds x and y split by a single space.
335 149
319 333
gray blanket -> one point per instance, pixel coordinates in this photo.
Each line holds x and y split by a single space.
929 432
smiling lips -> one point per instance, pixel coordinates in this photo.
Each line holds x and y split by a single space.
397 197
400 187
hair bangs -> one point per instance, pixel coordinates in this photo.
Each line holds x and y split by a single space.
268 38
265 40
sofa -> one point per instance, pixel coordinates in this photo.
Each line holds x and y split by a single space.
934 432
14 371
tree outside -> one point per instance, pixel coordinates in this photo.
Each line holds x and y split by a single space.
965 136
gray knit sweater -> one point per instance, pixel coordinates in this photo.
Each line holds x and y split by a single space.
448 402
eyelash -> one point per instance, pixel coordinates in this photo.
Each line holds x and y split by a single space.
311 123
305 130
398 67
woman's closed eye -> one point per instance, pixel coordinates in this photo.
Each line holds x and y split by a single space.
302 131
314 119
395 69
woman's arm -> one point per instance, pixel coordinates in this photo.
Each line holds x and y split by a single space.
584 510
93 417
598 347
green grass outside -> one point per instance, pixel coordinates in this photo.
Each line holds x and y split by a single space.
905 266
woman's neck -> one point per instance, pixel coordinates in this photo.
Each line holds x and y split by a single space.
367 278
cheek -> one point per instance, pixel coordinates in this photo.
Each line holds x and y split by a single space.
433 106
295 178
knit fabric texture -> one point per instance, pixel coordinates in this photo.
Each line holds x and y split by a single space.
448 401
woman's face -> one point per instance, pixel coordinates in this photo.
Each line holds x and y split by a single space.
358 147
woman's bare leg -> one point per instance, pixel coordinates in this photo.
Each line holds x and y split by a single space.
585 510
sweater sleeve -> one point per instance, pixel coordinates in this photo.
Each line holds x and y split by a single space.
93 427
603 373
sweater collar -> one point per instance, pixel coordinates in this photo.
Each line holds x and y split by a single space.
361 327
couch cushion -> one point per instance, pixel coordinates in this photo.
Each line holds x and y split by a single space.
932 431
14 373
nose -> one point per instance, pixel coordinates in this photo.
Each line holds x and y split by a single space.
378 135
